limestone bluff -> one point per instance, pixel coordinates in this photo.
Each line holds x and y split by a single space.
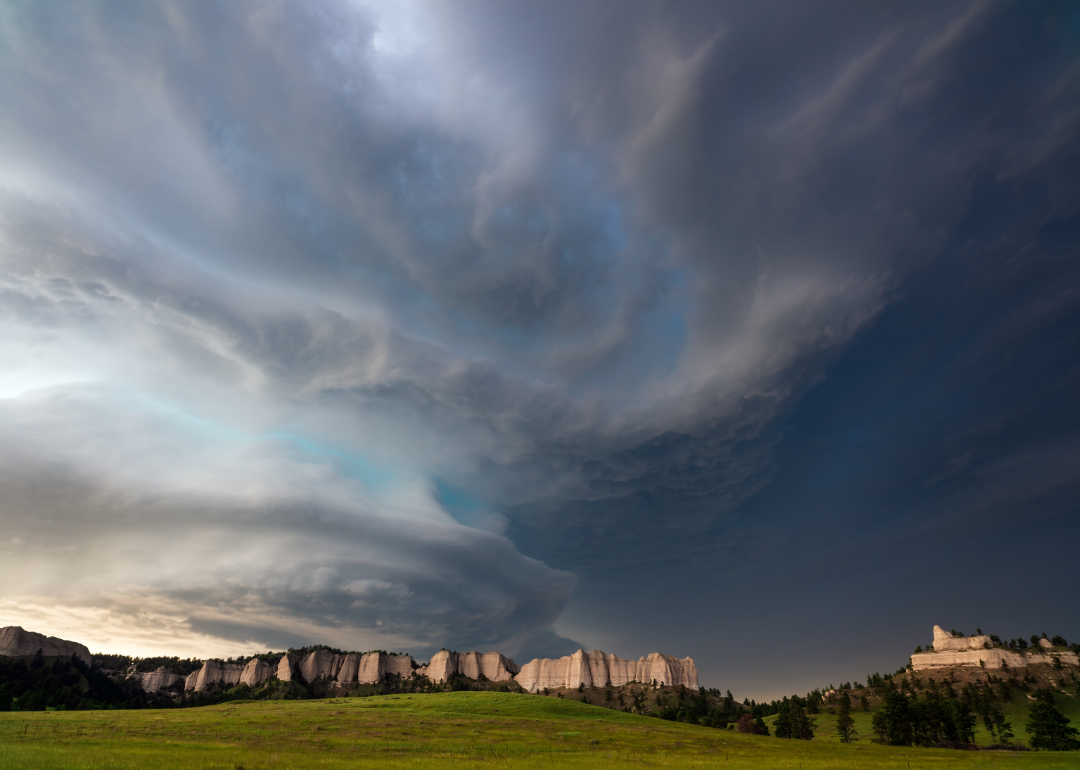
949 650
591 669
597 669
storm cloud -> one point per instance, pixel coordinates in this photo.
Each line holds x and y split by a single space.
410 325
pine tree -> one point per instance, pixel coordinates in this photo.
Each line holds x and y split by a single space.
1050 729
845 725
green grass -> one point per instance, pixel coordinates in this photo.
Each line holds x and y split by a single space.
464 729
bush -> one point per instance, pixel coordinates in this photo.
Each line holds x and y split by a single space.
747 724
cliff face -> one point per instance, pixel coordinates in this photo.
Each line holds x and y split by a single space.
286 667
213 672
15 641
493 665
321 664
375 665
157 680
972 651
256 672
597 669
352 668
946 642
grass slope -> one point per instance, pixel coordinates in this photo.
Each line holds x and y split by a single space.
462 729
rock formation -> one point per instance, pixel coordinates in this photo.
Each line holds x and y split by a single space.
321 664
256 672
15 641
343 669
350 667
157 680
286 667
946 642
949 650
494 666
374 666
596 669
213 672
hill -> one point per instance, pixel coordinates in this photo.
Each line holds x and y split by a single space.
460 729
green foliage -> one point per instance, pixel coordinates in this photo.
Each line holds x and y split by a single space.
180 666
904 721
845 724
1049 729
38 683
793 721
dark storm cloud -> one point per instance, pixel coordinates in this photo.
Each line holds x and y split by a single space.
578 262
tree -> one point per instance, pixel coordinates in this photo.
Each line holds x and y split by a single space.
747 724
894 724
1002 725
1049 729
964 719
845 725
793 722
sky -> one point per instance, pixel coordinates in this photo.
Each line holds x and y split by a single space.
748 332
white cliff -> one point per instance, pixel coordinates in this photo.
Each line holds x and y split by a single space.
321 664
597 669
157 680
286 667
212 673
374 666
949 650
256 672
494 666
16 641
350 667
946 642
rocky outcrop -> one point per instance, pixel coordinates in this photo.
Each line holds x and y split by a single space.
213 673
946 642
494 666
375 665
350 667
597 669
16 641
157 680
256 672
342 669
949 650
321 664
286 667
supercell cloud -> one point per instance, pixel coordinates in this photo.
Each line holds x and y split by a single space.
410 325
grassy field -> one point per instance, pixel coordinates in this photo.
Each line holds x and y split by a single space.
464 729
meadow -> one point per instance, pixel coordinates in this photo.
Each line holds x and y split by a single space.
460 729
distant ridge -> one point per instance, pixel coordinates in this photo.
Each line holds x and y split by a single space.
15 641
341 669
